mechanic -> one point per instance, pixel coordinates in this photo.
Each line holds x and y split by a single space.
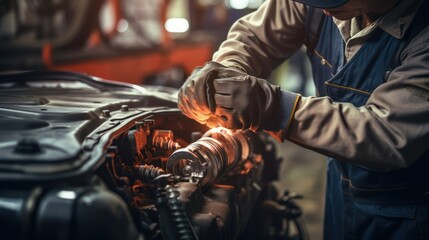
370 61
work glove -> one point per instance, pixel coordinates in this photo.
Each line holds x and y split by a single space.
196 96
244 102
228 97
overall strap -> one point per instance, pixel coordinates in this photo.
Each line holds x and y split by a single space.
313 26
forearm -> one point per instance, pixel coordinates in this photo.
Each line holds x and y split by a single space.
260 41
387 133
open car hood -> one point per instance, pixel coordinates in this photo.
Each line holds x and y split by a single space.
58 124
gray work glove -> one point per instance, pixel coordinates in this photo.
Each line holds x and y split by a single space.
229 97
196 96
244 102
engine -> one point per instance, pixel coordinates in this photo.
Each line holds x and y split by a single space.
116 161
190 182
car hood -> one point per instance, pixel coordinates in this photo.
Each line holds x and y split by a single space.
58 124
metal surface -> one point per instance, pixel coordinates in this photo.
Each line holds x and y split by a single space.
55 124
209 157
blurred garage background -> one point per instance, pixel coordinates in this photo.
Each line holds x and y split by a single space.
156 42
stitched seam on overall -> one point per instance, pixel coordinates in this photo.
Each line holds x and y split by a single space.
320 55
348 88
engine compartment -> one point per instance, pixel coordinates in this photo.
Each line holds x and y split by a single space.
204 190
84 158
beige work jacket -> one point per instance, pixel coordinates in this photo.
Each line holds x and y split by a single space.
389 132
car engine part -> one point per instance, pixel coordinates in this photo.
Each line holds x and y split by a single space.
211 156
84 158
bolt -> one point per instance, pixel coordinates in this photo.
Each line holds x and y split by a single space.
105 113
187 171
124 108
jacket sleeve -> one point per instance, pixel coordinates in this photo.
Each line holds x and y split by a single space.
261 40
390 132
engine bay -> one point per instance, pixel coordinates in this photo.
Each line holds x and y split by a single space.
204 190
85 158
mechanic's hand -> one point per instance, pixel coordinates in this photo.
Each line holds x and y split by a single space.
244 102
196 96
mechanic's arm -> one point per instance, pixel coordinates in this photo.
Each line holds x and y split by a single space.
390 132
261 40
256 44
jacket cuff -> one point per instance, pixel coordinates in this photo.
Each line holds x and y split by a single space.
282 115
